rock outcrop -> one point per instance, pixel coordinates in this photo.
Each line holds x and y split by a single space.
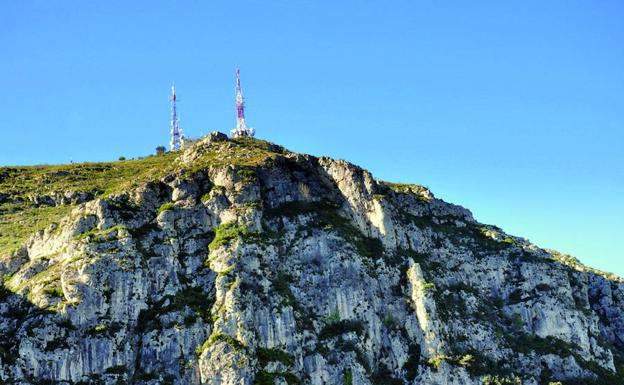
249 264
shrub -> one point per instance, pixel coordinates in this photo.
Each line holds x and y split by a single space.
220 337
165 206
268 355
118 369
226 233
515 297
326 216
281 284
542 287
347 377
413 361
498 380
264 378
436 361
389 321
341 327
54 291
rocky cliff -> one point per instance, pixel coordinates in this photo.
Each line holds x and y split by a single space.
239 262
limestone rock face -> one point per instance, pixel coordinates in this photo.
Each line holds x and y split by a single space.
250 264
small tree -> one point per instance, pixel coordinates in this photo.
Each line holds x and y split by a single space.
160 150
122 158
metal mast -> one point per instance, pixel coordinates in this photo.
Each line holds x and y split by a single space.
176 131
241 127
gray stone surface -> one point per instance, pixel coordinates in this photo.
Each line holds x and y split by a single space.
311 272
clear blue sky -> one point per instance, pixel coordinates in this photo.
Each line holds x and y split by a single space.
514 109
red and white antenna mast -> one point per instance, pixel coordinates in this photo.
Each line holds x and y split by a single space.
241 127
176 131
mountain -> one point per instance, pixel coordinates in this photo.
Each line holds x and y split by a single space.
237 261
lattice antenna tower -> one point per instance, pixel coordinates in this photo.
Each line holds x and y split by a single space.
241 126
176 131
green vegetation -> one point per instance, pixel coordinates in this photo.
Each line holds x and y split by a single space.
98 330
347 377
428 286
264 378
99 236
341 327
326 216
228 232
413 361
515 297
269 355
206 197
165 206
20 217
542 287
243 153
267 378
384 376
19 221
4 293
220 337
48 281
191 297
119 369
472 235
265 356
422 193
54 291
466 360
570 261
281 284
59 343
332 317
389 321
498 380
436 361
525 343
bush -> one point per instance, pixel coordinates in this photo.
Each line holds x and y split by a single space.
264 378
54 291
220 337
269 355
326 216
436 361
341 327
228 232
281 284
515 297
119 369
413 361
389 321
347 377
497 380
165 206
4 293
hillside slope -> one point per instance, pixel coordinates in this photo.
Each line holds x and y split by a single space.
239 262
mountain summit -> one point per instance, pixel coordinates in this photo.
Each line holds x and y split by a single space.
237 262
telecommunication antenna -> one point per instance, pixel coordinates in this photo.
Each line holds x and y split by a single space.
241 127
176 131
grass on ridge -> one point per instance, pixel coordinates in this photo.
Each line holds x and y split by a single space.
20 218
